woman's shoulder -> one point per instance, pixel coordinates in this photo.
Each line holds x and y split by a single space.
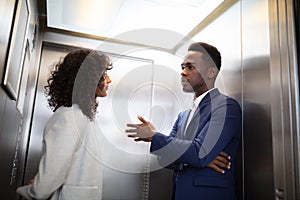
68 111
67 115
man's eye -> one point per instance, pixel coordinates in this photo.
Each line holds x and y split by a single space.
189 66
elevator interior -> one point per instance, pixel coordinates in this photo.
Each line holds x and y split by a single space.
259 68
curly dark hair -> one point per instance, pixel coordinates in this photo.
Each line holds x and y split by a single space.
73 80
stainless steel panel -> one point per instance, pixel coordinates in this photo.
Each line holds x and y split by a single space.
258 148
285 100
9 151
12 122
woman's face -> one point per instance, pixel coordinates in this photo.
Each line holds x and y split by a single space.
102 86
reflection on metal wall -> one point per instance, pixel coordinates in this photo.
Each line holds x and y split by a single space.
259 181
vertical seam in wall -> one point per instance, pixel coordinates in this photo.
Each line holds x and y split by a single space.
281 97
242 100
146 184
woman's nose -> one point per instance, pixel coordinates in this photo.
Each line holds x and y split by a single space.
108 79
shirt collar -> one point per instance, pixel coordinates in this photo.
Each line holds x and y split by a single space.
199 99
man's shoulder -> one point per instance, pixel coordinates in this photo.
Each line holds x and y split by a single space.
226 99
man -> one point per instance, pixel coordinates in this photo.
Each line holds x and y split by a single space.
199 134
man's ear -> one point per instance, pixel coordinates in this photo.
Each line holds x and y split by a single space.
212 72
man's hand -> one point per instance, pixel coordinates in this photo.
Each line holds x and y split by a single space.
141 132
220 162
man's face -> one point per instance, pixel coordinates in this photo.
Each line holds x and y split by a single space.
194 73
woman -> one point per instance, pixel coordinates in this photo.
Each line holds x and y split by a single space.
70 166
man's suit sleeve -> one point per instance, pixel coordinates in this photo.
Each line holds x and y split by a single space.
225 122
159 140
169 148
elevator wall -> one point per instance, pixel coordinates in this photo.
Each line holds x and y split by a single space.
14 122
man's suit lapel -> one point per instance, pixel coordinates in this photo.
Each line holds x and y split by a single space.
184 119
193 127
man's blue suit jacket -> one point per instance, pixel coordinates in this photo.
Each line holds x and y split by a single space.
215 127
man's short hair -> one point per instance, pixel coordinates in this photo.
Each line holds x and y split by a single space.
209 50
